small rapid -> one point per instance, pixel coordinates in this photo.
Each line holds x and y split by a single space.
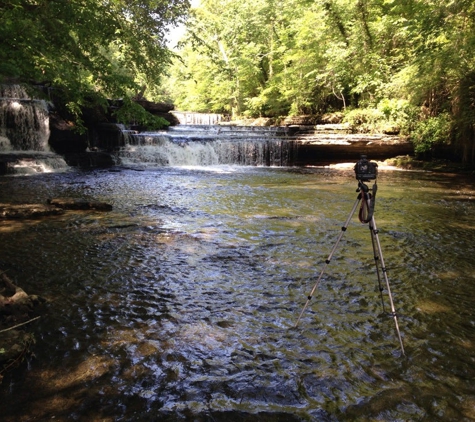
209 146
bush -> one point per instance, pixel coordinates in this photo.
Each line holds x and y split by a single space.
399 114
363 120
390 116
431 132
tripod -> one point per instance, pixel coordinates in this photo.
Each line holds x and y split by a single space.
366 215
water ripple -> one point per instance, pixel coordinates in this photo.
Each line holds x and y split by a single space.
181 303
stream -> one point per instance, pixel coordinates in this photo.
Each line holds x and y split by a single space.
181 303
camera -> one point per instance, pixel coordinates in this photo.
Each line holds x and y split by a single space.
366 170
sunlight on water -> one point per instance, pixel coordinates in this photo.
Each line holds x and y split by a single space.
214 168
180 304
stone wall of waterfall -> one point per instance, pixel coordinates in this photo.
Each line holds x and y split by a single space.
256 146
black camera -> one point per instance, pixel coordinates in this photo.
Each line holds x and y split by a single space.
366 170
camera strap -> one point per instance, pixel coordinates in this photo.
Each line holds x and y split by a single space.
368 202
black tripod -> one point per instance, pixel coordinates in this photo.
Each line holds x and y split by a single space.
366 216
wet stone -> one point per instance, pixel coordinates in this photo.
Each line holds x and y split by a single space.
9 211
79 204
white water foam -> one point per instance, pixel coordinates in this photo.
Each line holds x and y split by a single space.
179 150
169 153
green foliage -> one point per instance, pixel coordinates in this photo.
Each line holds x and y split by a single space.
364 119
232 58
389 116
400 115
395 61
87 49
431 132
288 57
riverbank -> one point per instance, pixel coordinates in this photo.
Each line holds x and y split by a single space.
436 165
411 164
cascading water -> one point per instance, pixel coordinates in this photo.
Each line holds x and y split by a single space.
210 145
24 133
24 122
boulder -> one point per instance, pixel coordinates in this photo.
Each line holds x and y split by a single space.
64 136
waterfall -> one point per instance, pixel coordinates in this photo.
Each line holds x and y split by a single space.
210 145
24 122
24 133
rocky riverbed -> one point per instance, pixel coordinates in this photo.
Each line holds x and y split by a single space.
18 309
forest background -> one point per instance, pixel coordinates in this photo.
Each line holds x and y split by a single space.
398 66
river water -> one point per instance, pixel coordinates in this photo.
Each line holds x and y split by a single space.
180 304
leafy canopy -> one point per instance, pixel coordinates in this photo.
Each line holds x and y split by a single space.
89 49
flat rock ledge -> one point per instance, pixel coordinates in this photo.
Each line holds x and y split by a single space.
55 206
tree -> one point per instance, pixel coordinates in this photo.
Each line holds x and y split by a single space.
280 57
441 67
88 49
291 57
231 51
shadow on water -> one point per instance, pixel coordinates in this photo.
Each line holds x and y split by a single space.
180 304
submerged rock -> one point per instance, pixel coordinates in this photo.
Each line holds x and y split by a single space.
79 204
17 309
11 211
55 206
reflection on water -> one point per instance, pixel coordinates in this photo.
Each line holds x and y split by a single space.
181 302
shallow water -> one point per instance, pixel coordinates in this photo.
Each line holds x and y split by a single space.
180 304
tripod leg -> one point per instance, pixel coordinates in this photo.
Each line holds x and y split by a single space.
374 232
343 229
376 261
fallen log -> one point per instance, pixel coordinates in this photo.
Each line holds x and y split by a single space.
55 206
9 293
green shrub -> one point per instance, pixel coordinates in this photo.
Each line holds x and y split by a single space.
399 115
390 116
363 120
431 132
